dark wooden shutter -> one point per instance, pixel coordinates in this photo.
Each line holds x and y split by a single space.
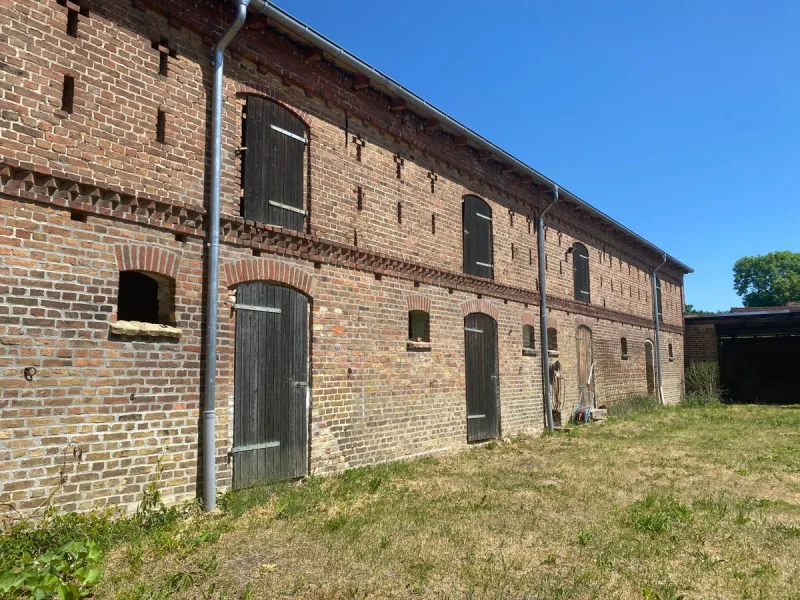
477 224
274 162
580 267
658 300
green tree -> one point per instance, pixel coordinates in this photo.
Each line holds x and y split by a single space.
769 280
689 309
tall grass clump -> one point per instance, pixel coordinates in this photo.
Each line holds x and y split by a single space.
702 384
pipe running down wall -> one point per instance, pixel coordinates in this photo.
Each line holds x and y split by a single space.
423 108
212 291
657 324
548 404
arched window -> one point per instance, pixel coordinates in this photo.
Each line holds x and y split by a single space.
273 159
419 326
552 339
477 226
528 339
658 300
145 298
580 268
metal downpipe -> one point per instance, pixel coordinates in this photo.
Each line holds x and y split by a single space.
212 291
658 331
417 104
548 405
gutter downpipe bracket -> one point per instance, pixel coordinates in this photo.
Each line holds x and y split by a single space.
658 332
209 453
543 310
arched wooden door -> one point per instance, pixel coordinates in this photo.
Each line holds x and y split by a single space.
649 366
480 347
583 344
270 420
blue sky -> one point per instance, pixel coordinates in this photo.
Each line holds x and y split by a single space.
679 119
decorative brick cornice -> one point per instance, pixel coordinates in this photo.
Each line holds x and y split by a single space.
419 302
41 185
131 257
479 305
268 269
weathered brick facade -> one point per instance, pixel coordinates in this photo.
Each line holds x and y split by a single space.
91 192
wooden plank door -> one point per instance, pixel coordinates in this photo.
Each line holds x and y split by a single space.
270 438
480 345
649 366
583 344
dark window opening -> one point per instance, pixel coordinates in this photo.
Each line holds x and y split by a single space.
273 165
528 338
669 350
68 94
145 297
161 127
419 326
433 224
623 342
476 218
580 268
400 212
360 198
552 339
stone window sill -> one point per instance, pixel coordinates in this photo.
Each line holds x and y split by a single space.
530 352
413 346
671 360
134 328
552 353
624 357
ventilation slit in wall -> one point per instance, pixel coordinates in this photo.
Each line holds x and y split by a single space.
433 223
68 94
400 212
161 127
512 251
360 198
72 23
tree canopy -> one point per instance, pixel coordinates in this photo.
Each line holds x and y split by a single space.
769 280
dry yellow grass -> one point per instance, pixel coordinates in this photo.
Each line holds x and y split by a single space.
701 502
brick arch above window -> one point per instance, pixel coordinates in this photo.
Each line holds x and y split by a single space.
276 96
135 257
479 306
419 302
267 269
529 319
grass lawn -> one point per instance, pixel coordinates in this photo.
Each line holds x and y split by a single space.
673 503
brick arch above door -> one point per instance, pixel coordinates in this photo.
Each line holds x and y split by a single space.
267 269
479 306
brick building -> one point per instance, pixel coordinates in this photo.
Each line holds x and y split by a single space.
378 290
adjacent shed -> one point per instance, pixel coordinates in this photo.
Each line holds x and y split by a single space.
757 351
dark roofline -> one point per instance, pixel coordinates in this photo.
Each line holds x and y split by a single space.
742 314
337 53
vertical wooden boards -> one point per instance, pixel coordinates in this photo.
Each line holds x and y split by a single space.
580 267
650 368
583 345
270 439
477 225
481 369
274 162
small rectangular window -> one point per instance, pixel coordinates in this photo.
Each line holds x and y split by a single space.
419 326
145 298
552 339
72 23
669 349
68 94
623 342
528 339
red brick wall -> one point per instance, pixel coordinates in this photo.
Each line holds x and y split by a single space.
701 342
103 411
